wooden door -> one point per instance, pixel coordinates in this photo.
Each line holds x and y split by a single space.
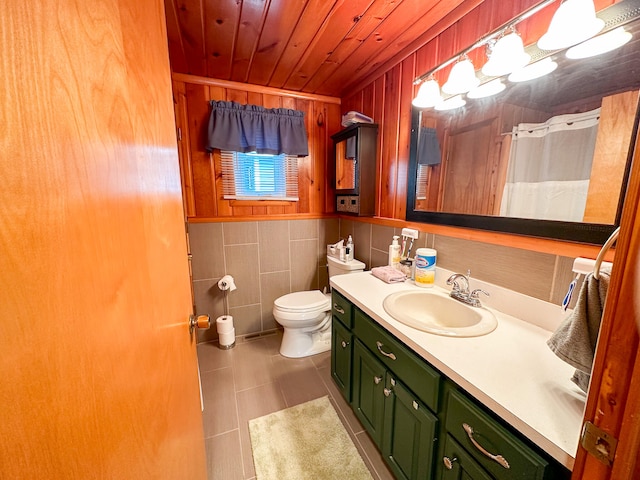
98 368
367 396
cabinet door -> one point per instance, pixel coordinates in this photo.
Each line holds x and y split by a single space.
367 396
409 439
457 464
341 349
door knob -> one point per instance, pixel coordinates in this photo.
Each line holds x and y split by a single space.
202 322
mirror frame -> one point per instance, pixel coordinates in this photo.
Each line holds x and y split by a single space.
591 233
623 12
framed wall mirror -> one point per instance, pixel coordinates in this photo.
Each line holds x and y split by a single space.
482 165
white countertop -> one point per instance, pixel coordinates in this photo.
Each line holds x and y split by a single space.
510 370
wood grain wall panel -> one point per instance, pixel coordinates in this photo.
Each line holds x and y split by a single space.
205 168
404 135
202 164
252 17
368 100
174 36
368 24
190 19
389 130
332 120
182 125
220 36
342 21
278 28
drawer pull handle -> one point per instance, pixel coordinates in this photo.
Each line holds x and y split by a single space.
387 392
448 462
497 458
390 355
338 309
377 380
344 344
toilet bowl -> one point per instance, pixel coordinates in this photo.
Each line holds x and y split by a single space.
306 316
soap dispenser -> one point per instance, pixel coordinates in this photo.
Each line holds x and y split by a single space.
394 252
349 250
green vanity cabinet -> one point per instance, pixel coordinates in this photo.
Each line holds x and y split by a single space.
410 432
412 411
341 354
368 387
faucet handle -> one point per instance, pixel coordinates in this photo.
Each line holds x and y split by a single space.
476 293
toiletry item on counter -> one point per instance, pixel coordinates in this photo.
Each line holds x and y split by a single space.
406 267
425 267
388 274
348 252
394 252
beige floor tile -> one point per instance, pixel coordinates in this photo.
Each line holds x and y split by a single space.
252 364
298 379
223 453
212 357
340 402
220 410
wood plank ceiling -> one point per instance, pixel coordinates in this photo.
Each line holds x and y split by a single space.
327 47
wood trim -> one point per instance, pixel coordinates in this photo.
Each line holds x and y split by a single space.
260 203
247 87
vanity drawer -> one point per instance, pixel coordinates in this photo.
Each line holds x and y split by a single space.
477 431
415 373
342 309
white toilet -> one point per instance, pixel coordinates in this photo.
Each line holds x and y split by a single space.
306 316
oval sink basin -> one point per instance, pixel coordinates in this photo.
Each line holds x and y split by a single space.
434 312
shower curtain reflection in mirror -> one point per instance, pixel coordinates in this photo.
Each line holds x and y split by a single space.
549 168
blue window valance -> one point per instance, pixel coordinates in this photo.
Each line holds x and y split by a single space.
252 128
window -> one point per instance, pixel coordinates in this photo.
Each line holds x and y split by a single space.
256 176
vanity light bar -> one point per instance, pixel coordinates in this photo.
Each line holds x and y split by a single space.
490 36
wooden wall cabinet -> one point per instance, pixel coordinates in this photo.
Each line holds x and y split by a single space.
355 169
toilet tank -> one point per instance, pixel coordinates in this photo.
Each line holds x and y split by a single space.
338 267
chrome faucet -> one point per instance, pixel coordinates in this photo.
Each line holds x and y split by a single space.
460 289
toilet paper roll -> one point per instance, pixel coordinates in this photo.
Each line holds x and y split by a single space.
227 283
227 338
224 324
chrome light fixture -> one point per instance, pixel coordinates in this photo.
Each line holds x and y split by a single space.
601 44
428 94
507 55
574 22
462 77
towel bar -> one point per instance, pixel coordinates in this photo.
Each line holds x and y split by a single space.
603 251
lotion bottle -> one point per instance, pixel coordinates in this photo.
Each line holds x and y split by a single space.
349 250
394 252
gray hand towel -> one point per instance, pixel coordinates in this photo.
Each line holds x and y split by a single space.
575 339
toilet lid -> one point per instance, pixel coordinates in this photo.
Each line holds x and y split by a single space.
299 301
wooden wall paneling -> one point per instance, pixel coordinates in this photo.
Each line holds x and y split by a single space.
191 19
251 25
313 18
319 153
390 142
333 122
217 93
341 21
615 129
278 28
404 135
305 164
471 27
353 102
387 39
220 37
182 125
240 96
202 163
368 100
174 36
379 118
368 24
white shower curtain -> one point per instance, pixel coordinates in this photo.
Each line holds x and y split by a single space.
549 168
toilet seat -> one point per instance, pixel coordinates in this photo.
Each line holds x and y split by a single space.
303 302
